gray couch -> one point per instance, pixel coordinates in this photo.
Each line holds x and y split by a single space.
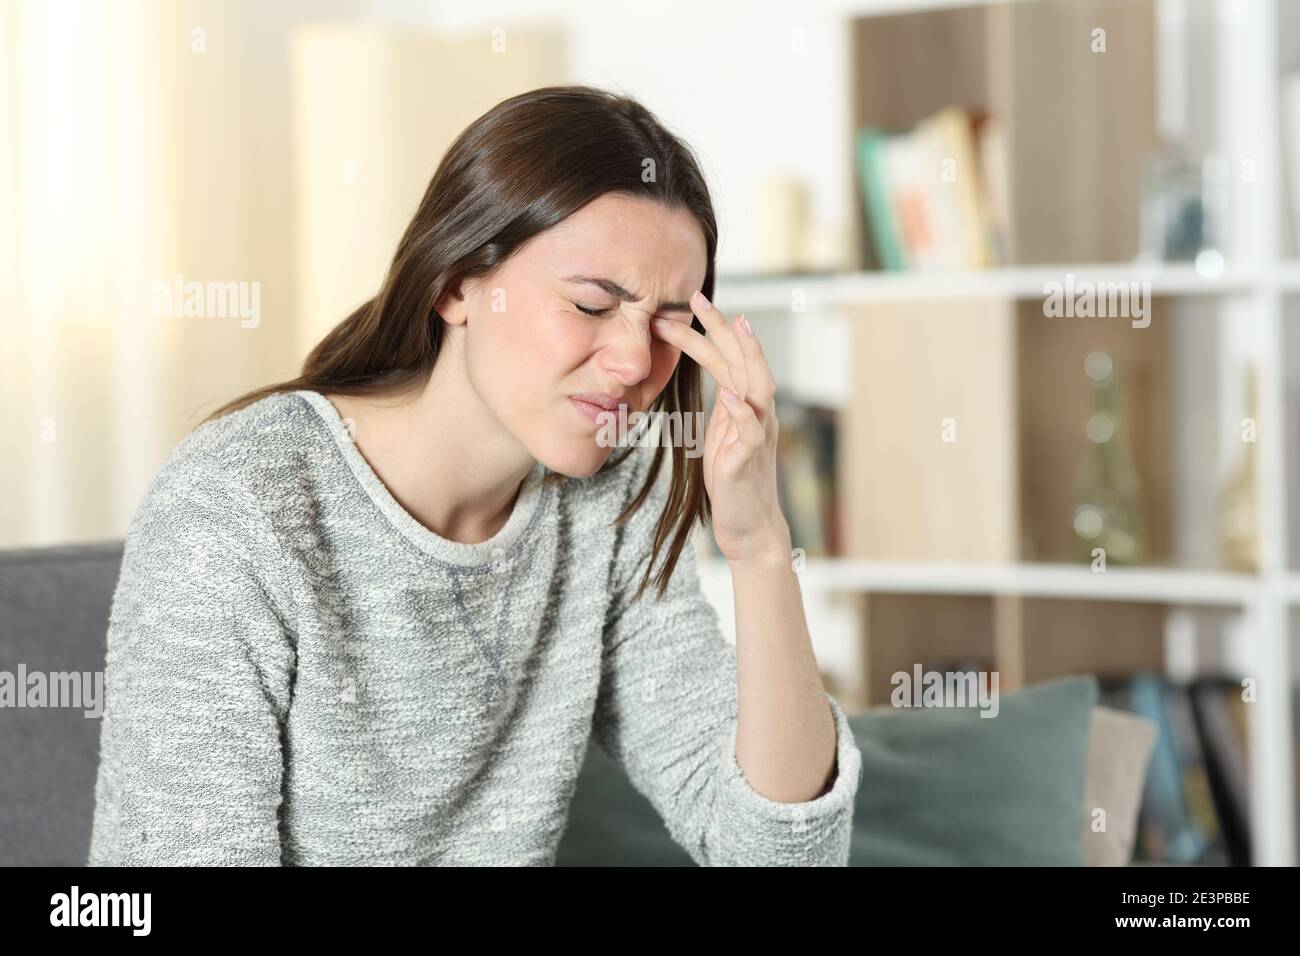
944 788
54 605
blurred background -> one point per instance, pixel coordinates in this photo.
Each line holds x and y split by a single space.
974 478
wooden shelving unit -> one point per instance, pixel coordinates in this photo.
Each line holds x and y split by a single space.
1009 597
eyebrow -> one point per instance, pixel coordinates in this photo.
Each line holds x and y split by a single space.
616 290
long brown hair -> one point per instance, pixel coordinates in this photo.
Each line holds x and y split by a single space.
522 167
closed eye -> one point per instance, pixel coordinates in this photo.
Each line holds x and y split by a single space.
596 313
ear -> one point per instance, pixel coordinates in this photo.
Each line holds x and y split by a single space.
454 305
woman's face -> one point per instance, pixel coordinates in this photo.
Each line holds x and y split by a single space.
530 350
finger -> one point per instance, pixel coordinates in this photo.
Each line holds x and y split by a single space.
762 385
719 408
702 349
725 338
748 427
719 425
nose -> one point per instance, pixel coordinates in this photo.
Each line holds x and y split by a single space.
626 354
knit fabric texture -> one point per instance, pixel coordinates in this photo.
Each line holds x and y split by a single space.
301 673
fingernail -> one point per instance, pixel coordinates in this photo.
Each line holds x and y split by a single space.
704 303
728 395
744 324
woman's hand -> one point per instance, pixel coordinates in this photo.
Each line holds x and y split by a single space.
740 439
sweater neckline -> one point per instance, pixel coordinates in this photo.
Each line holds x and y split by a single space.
435 545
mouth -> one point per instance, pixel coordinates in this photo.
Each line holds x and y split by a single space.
592 405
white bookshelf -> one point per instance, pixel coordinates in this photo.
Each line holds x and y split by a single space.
768 294
1249 297
1157 585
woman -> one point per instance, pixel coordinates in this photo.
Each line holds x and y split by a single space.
374 614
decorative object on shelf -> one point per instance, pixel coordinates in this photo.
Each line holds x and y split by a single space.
781 224
1107 511
1184 209
1239 512
829 247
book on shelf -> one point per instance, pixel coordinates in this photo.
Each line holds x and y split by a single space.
1167 830
1220 714
806 486
935 196
1195 808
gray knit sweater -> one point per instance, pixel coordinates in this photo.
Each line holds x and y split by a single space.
301 673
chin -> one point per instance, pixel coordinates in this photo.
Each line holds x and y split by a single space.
574 457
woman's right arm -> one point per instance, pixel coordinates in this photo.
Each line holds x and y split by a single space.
198 681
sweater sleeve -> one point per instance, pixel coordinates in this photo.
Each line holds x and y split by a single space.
666 714
197 683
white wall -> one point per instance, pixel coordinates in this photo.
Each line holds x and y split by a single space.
756 88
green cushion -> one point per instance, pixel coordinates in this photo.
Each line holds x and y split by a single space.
947 787
611 824
939 787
